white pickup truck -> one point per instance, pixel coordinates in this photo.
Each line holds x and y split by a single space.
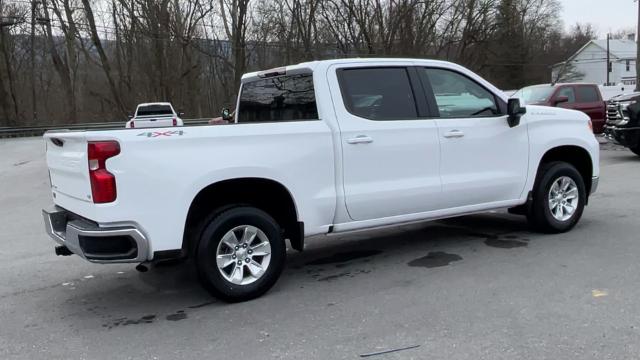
154 115
316 148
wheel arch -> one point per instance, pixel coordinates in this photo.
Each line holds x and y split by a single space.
266 194
575 155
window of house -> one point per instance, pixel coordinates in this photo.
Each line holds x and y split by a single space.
628 63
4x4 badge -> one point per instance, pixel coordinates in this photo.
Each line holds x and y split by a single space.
162 133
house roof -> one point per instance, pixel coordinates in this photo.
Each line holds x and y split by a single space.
622 49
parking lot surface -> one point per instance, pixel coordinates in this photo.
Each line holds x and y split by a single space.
474 287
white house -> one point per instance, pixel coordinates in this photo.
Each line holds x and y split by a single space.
589 63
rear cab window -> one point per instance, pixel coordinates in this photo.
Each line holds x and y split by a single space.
151 110
279 98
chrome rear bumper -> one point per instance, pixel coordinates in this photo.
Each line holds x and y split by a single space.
122 244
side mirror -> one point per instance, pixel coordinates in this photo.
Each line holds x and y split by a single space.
226 114
560 100
180 113
515 112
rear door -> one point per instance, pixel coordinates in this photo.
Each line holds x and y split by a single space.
483 160
590 102
390 148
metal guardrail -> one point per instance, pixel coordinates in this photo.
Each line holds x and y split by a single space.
25 131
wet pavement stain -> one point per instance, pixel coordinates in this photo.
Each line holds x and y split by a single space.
147 319
509 243
344 274
201 305
435 259
343 257
179 315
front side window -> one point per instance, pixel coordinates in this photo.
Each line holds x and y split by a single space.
282 98
457 96
568 93
587 94
378 93
534 94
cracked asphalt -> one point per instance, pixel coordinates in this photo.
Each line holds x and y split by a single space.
474 287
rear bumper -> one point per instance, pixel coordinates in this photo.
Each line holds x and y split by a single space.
122 244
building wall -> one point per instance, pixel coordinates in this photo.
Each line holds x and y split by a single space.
592 63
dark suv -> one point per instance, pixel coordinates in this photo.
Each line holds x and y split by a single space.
623 121
581 97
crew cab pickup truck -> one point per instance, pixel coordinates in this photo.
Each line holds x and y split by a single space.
315 149
153 115
623 121
579 96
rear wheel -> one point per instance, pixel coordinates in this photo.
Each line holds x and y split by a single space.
559 196
635 150
240 254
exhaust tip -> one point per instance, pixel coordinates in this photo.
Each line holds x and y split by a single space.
63 251
142 267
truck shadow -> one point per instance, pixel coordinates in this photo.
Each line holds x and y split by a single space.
172 292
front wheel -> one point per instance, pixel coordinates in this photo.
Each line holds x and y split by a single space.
241 254
559 197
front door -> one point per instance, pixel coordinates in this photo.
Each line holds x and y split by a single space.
390 150
483 160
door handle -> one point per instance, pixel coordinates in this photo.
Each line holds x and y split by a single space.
360 139
454 134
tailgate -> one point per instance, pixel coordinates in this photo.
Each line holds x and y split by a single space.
68 164
153 122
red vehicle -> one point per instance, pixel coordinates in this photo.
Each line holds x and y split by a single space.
582 97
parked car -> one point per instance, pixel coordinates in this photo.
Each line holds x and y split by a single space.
623 121
150 115
315 149
583 97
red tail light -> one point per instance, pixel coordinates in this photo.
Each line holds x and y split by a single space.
175 122
103 183
133 125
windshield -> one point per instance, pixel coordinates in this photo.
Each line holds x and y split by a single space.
154 110
534 94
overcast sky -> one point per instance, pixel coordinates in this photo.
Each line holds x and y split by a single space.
606 15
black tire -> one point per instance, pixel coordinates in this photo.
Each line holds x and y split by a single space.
540 216
635 150
213 231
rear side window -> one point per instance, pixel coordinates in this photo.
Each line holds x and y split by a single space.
378 93
283 98
568 92
154 110
587 94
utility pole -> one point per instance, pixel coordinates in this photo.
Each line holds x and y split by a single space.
33 61
608 59
638 51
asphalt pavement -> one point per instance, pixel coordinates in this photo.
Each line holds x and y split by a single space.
474 287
